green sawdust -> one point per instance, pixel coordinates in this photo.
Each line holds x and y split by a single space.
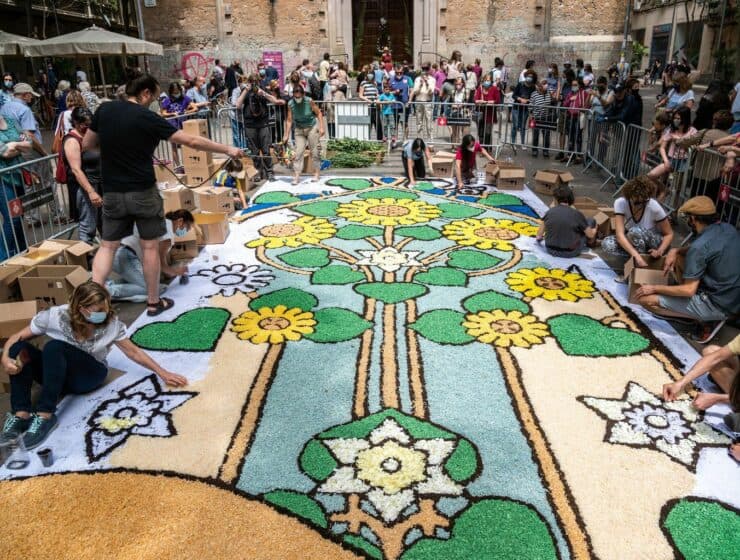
299 504
463 462
498 529
349 184
353 232
289 297
359 429
306 258
500 199
470 259
391 292
443 326
316 461
323 209
456 211
443 276
422 233
197 330
490 300
579 335
277 197
336 274
389 193
335 324
704 529
370 549
424 186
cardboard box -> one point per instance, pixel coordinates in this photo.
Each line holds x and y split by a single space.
608 210
196 127
585 203
491 170
163 172
185 247
603 222
653 274
545 180
9 283
214 227
215 199
52 285
16 316
198 177
178 198
35 257
510 177
76 253
195 160
442 164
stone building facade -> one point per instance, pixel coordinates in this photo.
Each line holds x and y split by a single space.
196 32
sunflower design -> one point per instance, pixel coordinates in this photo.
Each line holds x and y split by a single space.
552 284
306 230
273 325
488 233
388 212
506 328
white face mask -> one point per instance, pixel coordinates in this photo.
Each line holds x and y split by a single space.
298 100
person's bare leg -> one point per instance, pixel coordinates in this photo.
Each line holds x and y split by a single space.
652 304
152 268
725 371
103 261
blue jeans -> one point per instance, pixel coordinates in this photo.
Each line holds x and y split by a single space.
60 368
128 266
237 133
90 217
12 237
519 123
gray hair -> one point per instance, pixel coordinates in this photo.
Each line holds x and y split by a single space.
63 85
84 86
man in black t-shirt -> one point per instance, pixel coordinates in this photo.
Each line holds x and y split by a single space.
252 103
128 133
565 229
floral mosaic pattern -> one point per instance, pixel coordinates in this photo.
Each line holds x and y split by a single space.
231 279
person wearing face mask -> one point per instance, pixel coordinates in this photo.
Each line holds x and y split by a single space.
128 261
412 159
674 154
369 94
710 290
459 119
522 92
309 129
128 134
7 87
255 114
486 97
73 360
465 159
324 68
198 93
423 94
174 105
540 107
577 101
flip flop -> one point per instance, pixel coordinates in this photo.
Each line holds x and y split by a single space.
162 305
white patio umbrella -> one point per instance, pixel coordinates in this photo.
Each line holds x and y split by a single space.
12 45
93 41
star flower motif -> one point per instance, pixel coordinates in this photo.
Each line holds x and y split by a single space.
389 259
390 468
141 409
230 279
641 419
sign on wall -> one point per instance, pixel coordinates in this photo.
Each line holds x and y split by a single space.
275 59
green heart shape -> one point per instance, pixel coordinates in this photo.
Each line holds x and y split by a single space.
443 276
391 292
443 326
583 336
276 197
470 259
703 528
306 258
491 528
389 193
336 274
334 324
197 330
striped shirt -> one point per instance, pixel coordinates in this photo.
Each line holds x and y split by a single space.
538 105
369 91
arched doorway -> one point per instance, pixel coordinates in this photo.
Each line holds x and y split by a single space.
379 23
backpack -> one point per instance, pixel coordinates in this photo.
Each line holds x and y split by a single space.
315 87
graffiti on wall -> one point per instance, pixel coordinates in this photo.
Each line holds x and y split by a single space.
193 64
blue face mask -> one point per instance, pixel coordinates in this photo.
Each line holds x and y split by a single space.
486 84
181 231
97 317
262 72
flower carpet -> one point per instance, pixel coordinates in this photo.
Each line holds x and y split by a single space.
392 373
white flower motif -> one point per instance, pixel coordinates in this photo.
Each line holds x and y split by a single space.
140 409
230 279
389 259
390 468
641 419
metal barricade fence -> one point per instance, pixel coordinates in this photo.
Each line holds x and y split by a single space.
605 148
708 176
33 206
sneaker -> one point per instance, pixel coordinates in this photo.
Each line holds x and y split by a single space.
270 176
13 427
707 331
39 430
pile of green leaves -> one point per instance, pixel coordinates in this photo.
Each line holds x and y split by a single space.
349 159
348 152
352 145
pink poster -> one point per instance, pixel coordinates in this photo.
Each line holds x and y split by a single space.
274 59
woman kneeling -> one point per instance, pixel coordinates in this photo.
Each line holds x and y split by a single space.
73 361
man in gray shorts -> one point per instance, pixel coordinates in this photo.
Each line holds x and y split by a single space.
128 134
710 291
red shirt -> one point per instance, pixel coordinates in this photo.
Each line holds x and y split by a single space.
468 158
492 94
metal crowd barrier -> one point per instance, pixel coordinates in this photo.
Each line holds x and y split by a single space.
33 206
708 176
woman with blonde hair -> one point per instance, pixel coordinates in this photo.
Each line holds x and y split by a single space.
680 96
73 360
74 100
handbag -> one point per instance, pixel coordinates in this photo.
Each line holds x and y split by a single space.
532 122
56 145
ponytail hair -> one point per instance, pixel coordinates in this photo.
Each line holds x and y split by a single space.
180 214
137 81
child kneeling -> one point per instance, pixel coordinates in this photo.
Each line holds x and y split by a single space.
566 230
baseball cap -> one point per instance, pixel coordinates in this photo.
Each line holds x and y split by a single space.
619 88
567 63
22 87
698 206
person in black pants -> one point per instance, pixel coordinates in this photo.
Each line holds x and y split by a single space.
412 158
256 116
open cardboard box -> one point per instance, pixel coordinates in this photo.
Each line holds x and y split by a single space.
545 180
35 257
185 247
214 227
215 199
9 290
15 316
76 253
585 202
52 285
653 274
603 223
510 176
177 198
442 164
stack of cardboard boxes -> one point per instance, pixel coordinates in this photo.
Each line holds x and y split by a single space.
505 176
199 166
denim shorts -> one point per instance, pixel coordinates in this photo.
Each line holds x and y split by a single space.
123 210
679 165
698 306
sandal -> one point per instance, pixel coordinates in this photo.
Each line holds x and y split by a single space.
162 305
